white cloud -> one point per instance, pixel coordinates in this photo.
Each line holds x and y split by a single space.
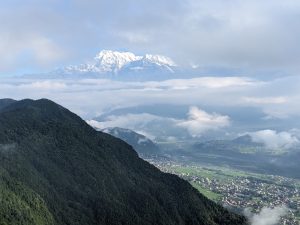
238 33
92 97
267 216
26 49
151 126
208 82
265 100
200 121
130 121
115 94
197 123
45 50
274 140
45 85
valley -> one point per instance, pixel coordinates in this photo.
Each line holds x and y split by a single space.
239 174
238 190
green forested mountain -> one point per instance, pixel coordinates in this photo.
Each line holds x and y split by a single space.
55 169
5 102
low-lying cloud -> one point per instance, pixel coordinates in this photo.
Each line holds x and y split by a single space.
267 216
196 124
273 139
93 96
237 101
199 121
147 124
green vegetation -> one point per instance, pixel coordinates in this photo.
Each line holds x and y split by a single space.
19 205
55 169
207 193
220 173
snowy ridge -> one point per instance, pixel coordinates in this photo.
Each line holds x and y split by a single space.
159 59
110 61
113 62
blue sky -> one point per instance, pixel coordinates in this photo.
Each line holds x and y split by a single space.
38 36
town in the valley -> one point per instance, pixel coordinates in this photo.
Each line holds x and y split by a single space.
239 190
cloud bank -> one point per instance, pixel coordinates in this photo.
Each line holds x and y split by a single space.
274 140
198 123
267 216
219 101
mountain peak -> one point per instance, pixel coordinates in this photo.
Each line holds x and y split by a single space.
110 53
113 61
108 62
160 60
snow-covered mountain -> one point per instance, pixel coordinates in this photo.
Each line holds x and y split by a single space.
127 66
107 64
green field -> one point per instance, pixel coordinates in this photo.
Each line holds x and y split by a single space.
207 193
222 173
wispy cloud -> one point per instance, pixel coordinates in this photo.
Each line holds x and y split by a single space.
273 139
266 100
196 124
267 216
154 127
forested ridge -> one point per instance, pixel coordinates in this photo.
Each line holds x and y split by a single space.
56 169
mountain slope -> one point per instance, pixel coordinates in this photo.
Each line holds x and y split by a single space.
65 172
139 142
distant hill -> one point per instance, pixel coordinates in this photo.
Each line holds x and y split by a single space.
240 146
241 153
56 169
142 144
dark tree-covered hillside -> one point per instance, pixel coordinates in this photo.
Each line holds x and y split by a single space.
55 169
